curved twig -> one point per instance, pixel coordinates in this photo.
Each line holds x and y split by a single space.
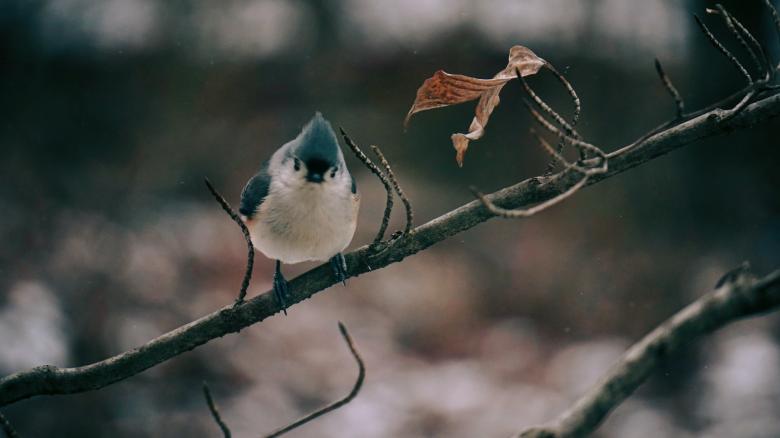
742 297
316 414
569 129
250 256
215 411
397 187
570 89
6 427
382 177
337 404
518 213
775 19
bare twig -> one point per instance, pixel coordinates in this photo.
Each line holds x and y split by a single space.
569 129
775 19
742 297
250 257
6 427
557 157
300 422
570 89
731 24
571 136
763 63
757 87
382 177
397 187
335 405
518 213
722 49
215 411
678 100
575 118
580 144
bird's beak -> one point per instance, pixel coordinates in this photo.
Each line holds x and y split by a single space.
315 177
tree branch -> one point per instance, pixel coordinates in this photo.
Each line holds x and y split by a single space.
741 297
49 379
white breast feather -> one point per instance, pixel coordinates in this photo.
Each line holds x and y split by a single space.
311 222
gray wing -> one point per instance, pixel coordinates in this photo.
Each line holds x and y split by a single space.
255 192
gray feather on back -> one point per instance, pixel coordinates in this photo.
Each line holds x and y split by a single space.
255 192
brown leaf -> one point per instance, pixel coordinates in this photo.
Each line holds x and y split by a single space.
444 89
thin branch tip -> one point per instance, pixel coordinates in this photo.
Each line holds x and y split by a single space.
7 428
671 89
215 411
397 187
382 177
250 258
339 403
722 49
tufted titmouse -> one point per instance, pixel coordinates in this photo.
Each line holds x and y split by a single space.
302 205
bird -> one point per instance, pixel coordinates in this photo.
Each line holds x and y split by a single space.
302 204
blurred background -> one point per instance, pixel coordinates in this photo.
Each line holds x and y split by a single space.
113 111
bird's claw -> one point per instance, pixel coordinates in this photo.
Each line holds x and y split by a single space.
281 291
339 265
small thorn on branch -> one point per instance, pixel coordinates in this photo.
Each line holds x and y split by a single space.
678 100
250 258
397 187
382 177
734 274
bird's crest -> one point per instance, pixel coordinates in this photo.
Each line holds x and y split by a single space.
317 141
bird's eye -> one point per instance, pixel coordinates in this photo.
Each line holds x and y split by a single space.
333 172
297 164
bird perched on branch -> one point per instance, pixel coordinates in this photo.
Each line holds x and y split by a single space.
302 205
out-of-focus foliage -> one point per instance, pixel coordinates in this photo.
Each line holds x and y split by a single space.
111 113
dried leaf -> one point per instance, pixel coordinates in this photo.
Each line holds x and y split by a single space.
444 89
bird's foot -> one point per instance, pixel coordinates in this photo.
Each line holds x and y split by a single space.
281 290
339 265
